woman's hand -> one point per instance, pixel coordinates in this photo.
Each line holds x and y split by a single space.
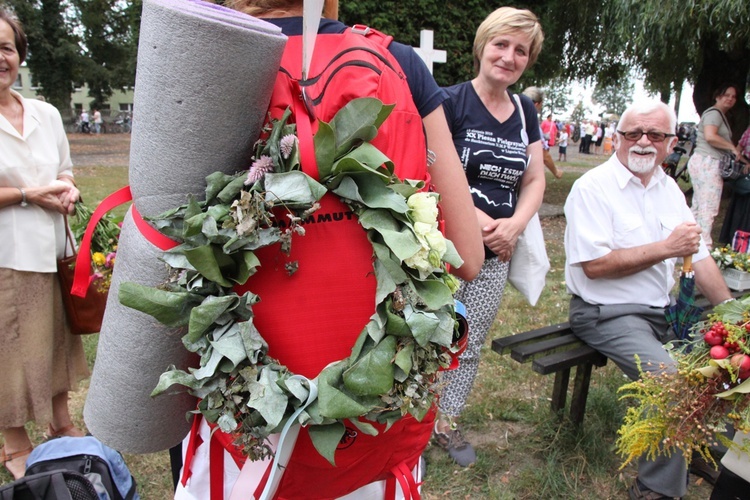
70 196
56 197
501 236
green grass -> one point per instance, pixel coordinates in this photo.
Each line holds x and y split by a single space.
524 452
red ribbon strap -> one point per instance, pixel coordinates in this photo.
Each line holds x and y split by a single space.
83 260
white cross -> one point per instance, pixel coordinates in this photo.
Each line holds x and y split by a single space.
426 52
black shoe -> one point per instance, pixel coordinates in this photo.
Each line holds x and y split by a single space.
701 468
638 491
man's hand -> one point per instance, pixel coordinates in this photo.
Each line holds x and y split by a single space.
684 240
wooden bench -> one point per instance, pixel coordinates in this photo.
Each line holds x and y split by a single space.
554 349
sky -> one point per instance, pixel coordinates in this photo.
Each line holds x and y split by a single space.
686 112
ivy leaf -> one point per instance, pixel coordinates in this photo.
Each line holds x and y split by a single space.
404 360
230 346
210 262
401 242
268 398
435 293
231 191
203 316
325 149
422 325
357 122
334 403
326 439
169 308
385 283
372 374
289 188
215 183
361 188
451 254
174 377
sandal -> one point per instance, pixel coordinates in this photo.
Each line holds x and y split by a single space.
8 460
69 430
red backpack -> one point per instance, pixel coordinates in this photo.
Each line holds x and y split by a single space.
313 317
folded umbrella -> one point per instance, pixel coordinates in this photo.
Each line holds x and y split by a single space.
684 313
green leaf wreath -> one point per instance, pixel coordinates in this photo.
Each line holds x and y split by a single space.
392 370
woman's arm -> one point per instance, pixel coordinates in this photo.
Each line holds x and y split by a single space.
461 226
48 197
711 134
500 235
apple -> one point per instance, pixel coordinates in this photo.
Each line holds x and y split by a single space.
741 361
713 337
718 352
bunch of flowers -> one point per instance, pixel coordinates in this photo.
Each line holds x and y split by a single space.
103 243
393 366
685 409
726 258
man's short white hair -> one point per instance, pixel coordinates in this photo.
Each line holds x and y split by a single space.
645 107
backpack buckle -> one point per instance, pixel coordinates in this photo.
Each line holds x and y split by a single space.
361 29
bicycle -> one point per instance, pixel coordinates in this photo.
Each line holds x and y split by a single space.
677 169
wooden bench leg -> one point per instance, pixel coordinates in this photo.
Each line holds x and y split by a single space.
560 390
580 393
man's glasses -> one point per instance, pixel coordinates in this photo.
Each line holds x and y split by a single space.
635 135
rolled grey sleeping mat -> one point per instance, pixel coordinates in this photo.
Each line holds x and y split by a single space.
204 81
134 348
205 77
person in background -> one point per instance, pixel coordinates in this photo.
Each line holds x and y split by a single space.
502 159
97 122
588 133
85 124
738 211
41 360
549 129
713 140
562 145
627 224
537 97
599 139
609 133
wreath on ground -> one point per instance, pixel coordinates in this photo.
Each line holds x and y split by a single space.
392 370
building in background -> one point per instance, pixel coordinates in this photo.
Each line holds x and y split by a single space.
120 104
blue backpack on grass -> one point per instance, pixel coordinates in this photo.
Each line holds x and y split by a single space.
63 457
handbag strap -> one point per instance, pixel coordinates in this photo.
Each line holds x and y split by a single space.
724 118
69 239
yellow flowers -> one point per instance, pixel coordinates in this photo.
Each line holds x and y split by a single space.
98 258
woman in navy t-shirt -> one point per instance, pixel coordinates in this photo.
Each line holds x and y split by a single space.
502 160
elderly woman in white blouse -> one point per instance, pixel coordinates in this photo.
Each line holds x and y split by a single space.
41 360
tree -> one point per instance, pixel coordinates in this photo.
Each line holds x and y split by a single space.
557 96
109 38
668 41
614 98
54 55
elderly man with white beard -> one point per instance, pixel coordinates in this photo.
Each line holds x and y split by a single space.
627 225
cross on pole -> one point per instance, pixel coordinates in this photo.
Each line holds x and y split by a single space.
426 51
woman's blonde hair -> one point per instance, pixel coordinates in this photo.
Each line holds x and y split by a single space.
506 20
259 8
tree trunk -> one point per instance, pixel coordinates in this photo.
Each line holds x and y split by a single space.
721 67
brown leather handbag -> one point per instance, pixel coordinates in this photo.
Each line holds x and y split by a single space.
84 314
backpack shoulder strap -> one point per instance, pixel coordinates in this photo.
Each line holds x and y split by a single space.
521 111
